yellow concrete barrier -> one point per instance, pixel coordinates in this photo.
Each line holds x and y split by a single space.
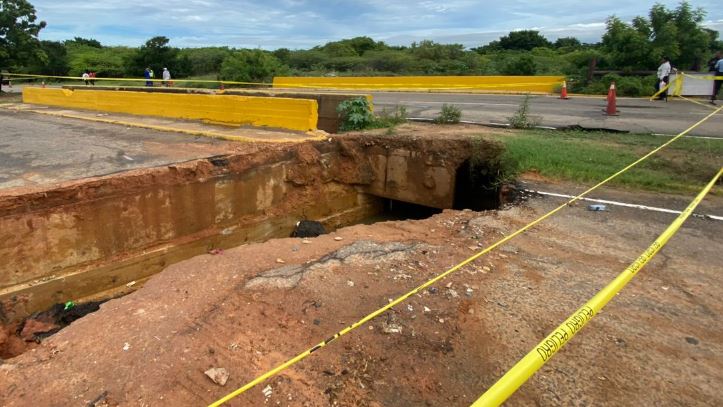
518 84
287 113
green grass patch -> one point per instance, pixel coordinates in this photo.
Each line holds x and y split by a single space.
589 157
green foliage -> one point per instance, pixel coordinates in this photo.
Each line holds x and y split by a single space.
392 118
525 40
205 60
677 34
568 42
106 62
521 119
587 156
356 114
19 30
520 65
84 41
156 54
251 66
450 114
56 64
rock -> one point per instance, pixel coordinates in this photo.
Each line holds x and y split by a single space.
391 328
218 375
426 309
338 238
350 283
308 228
452 293
281 261
126 346
131 284
691 340
306 241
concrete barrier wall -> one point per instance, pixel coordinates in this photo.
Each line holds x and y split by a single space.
329 119
544 84
695 84
287 113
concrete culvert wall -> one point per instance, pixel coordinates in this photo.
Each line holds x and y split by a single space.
93 237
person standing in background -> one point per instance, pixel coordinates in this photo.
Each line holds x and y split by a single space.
91 76
148 75
166 77
663 78
86 77
718 81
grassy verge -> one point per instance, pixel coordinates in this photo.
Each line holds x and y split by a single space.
589 157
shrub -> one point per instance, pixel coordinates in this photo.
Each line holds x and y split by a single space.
356 114
450 114
391 118
521 119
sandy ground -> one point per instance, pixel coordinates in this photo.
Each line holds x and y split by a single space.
660 342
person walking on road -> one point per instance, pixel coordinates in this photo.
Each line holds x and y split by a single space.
166 77
663 78
148 74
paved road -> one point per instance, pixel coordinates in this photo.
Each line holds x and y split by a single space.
37 149
635 115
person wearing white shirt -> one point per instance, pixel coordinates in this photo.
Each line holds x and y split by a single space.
166 77
663 78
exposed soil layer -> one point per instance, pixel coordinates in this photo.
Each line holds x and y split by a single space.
249 308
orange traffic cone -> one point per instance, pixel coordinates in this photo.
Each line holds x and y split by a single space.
563 93
612 109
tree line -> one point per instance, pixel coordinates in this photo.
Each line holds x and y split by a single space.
625 47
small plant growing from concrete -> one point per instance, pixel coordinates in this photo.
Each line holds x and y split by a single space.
521 119
391 118
356 114
450 114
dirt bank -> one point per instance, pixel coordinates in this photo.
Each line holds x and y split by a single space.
251 307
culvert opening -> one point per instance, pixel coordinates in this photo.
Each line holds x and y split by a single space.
477 187
393 209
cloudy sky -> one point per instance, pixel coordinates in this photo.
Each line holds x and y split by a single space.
271 24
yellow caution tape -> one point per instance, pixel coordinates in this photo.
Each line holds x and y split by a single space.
75 78
548 347
704 77
303 355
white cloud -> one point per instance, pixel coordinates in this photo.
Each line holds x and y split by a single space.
305 23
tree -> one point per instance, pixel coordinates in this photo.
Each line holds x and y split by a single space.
56 63
567 42
251 66
524 40
156 54
85 41
19 34
677 34
627 47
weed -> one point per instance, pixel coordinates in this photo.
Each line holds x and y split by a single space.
391 118
521 119
356 114
450 114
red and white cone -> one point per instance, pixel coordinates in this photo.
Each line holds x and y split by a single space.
612 109
563 93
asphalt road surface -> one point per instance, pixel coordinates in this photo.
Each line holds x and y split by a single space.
38 150
635 114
